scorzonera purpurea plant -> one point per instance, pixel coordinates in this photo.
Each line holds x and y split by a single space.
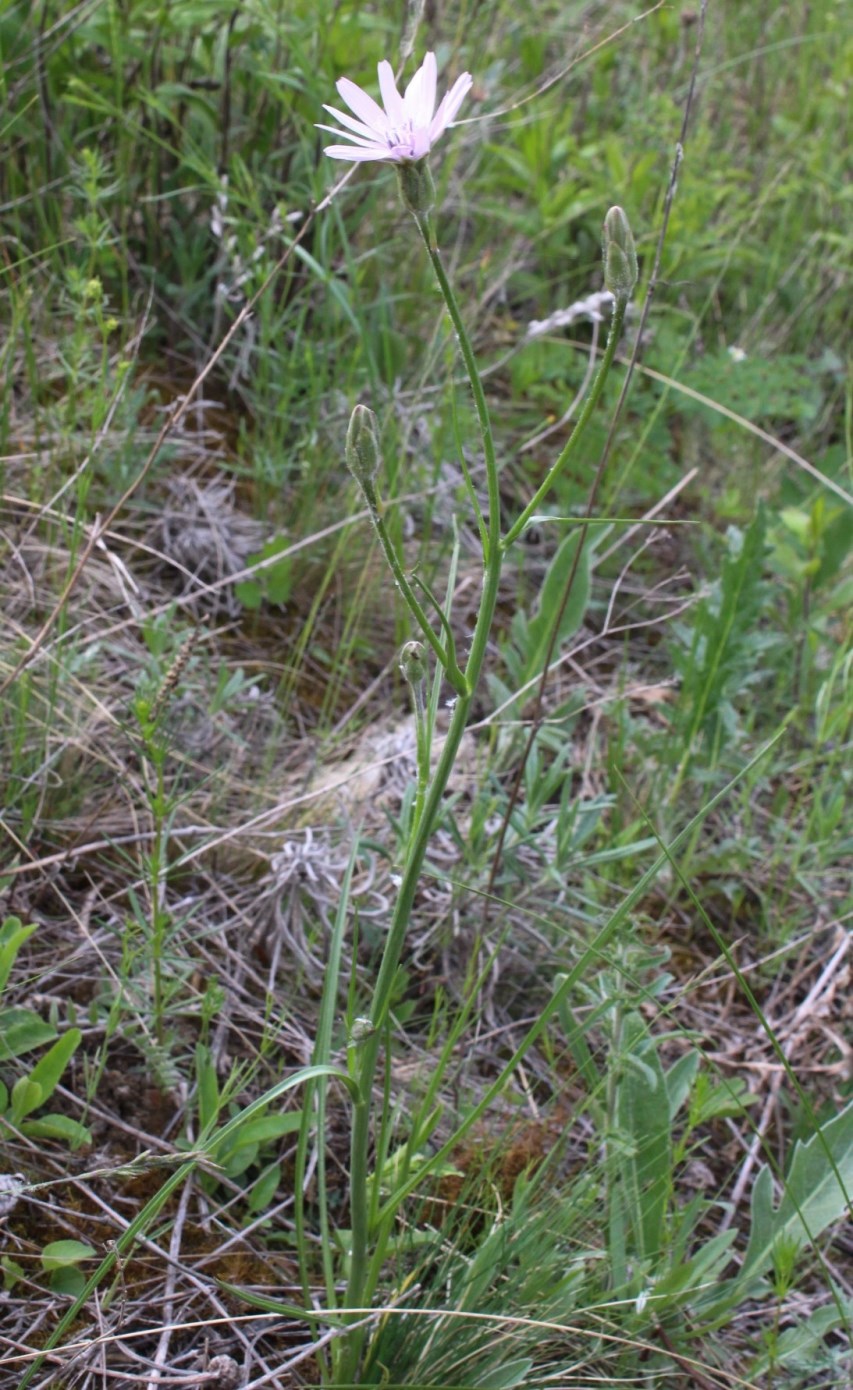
404 133
372 1264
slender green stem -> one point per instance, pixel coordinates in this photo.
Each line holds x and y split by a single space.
440 614
159 918
591 402
494 529
422 748
445 657
383 994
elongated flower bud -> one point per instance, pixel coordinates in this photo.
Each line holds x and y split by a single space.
362 448
416 186
620 255
413 663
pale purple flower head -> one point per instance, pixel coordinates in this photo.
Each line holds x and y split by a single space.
407 129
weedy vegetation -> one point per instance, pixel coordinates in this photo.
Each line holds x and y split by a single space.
425 700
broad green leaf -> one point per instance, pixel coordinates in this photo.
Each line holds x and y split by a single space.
57 1127
267 1127
65 1252
504 1377
642 1113
12 1272
21 1030
263 1191
68 1281
817 1192
12 937
238 1160
45 1075
26 1096
679 1079
208 1088
802 1347
540 626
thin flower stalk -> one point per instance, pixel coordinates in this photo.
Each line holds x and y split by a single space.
425 228
446 657
613 338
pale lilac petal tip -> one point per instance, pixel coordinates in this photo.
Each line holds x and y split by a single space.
357 140
457 95
391 99
364 106
419 99
365 131
356 153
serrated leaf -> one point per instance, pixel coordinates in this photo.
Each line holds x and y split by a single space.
818 1190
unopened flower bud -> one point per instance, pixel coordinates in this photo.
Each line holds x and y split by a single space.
362 447
413 663
362 1028
620 255
416 186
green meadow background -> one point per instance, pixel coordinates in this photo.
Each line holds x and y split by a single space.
207 750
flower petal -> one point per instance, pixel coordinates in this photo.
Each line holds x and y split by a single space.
364 106
359 140
356 154
420 144
419 99
450 104
366 131
391 98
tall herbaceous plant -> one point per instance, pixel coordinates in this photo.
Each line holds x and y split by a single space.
403 131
